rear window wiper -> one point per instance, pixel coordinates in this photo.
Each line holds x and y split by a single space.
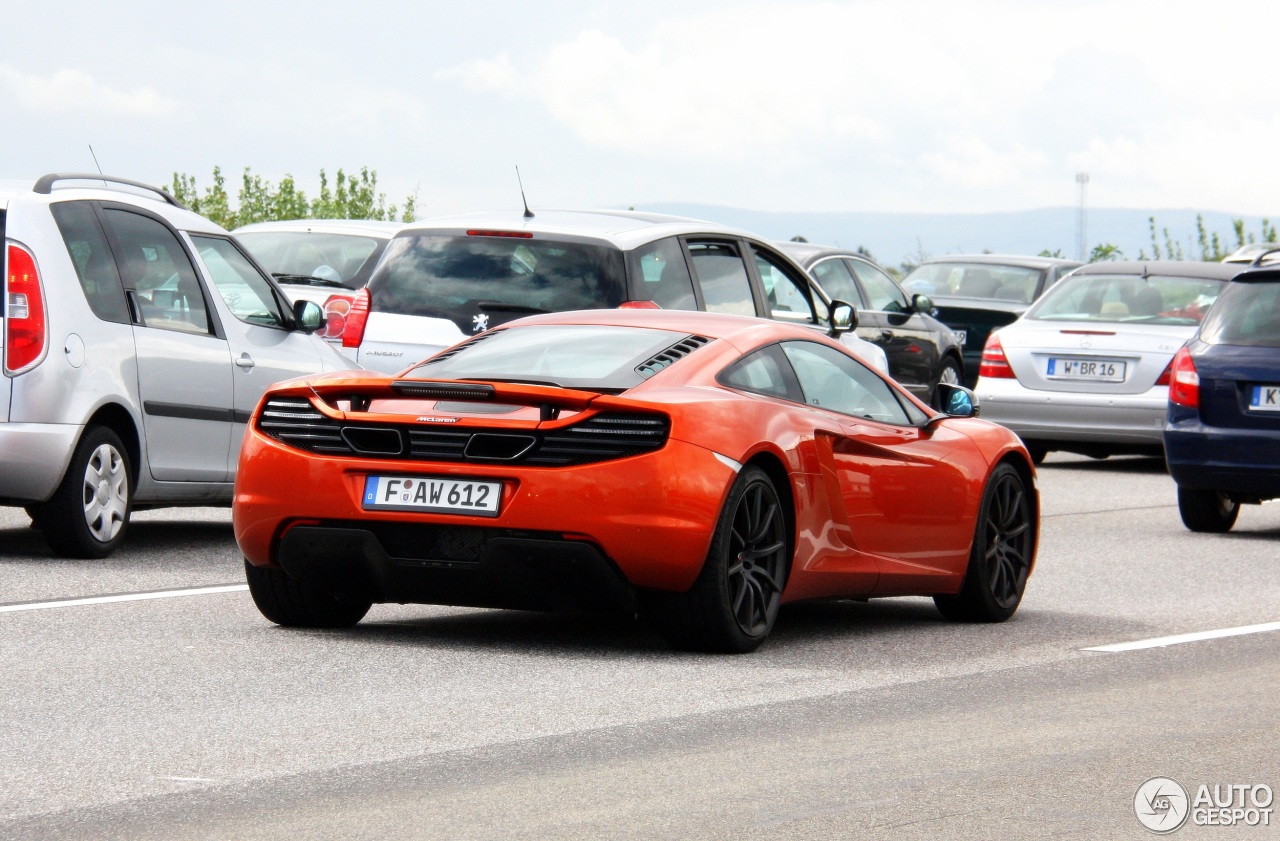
309 280
499 306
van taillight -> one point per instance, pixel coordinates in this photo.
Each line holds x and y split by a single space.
25 333
994 365
1184 382
336 308
353 331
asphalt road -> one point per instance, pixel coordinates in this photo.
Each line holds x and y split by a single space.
189 716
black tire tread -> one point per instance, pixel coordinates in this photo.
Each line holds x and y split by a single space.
291 603
1207 511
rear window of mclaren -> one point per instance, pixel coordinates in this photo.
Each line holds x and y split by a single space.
586 356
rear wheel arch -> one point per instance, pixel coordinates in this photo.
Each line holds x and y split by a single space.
781 479
115 417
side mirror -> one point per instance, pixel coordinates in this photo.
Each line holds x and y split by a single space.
921 302
308 315
957 401
842 316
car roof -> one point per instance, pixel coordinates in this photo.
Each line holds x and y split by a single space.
710 324
81 186
1168 268
1020 260
805 252
355 227
1263 274
622 228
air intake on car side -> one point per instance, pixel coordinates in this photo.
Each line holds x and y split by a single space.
604 437
662 360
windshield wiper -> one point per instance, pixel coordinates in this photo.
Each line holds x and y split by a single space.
309 280
499 306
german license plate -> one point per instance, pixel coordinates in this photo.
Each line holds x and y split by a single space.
1265 398
1101 370
433 494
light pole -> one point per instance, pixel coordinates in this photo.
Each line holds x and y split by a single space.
1082 178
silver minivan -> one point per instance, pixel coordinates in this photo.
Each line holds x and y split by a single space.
137 338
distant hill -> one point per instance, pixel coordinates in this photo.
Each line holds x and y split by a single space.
894 238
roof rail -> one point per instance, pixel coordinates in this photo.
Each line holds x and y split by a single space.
1257 261
45 184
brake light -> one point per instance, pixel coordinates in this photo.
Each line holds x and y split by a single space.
1166 375
638 305
516 234
26 336
1184 382
336 308
994 364
357 315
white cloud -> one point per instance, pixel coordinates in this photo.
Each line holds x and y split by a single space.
72 90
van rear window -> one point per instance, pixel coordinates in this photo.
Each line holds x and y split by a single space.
479 282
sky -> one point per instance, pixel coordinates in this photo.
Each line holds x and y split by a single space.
903 106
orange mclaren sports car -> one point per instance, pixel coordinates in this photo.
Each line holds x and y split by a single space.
691 468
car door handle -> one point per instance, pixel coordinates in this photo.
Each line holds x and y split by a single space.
245 361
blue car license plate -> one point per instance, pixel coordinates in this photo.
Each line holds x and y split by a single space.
432 494
1265 398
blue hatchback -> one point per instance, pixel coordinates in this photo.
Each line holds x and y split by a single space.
1222 435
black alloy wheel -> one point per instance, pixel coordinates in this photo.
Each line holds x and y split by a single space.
733 605
1000 561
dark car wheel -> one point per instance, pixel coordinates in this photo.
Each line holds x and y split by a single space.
733 605
88 514
1208 511
287 601
1037 451
1003 544
950 374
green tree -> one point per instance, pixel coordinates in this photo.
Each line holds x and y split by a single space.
1104 252
258 200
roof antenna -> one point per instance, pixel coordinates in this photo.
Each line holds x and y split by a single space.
528 214
95 162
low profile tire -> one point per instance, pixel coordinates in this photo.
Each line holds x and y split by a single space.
733 605
1207 511
1000 561
88 514
286 601
950 374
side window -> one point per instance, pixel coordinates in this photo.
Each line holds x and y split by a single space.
246 292
726 287
836 280
156 268
662 276
882 292
831 380
788 295
764 372
95 267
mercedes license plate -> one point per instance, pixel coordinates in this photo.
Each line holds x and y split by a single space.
432 494
1101 370
1265 398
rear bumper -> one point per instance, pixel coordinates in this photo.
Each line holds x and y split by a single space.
33 458
457 565
1240 462
646 520
1122 419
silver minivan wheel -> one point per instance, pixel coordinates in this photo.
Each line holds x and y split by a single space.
105 493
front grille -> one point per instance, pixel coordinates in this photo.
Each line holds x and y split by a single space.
604 437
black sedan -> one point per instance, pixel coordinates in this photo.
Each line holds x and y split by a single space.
977 293
922 351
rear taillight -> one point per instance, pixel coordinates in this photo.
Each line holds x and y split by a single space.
335 316
357 315
638 305
1167 375
25 333
994 365
1184 382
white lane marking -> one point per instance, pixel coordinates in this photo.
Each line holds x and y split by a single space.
125 597
1178 639
188 779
